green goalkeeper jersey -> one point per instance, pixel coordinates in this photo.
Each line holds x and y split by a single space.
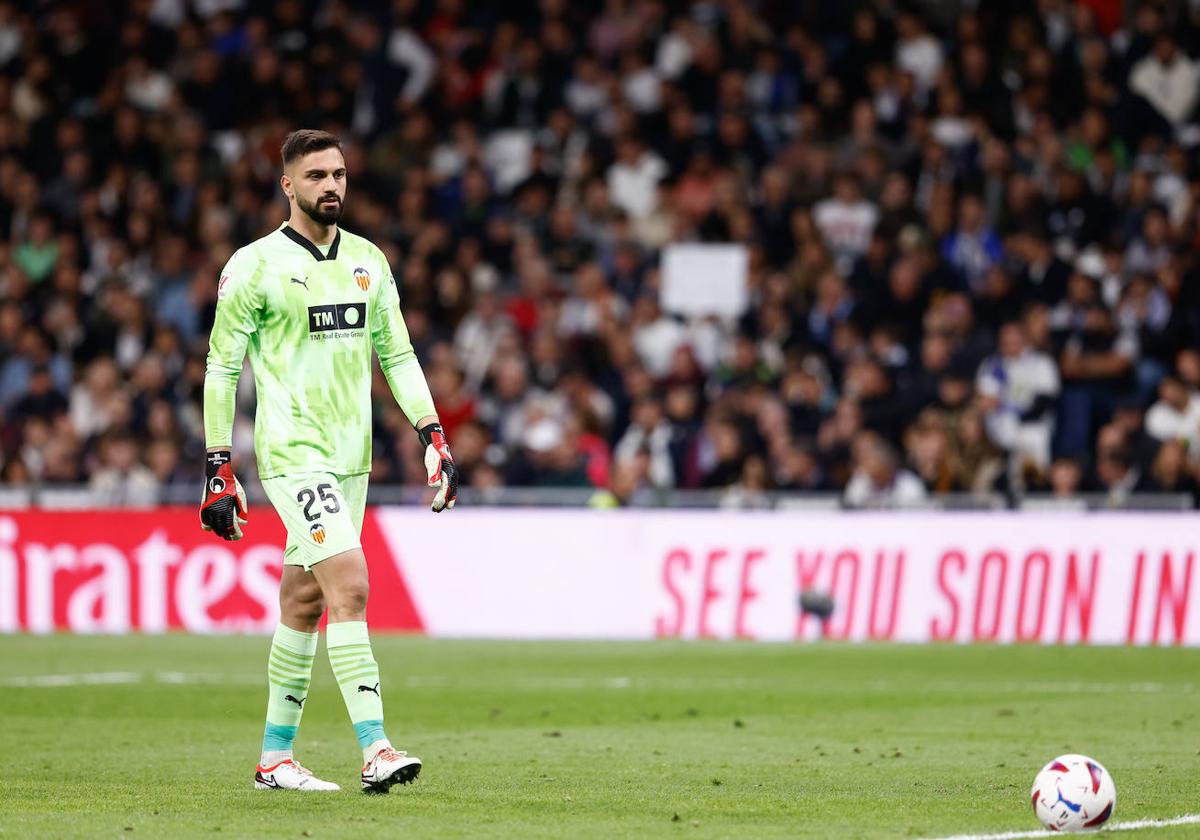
309 320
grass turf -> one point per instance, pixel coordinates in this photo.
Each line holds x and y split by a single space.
594 739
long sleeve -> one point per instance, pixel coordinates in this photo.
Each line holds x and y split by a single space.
239 304
397 358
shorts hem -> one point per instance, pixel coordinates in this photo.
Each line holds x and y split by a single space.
307 563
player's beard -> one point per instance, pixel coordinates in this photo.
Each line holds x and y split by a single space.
320 213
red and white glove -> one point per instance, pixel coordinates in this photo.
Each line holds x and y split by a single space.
439 463
224 507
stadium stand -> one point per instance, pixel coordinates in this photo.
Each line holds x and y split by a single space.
971 231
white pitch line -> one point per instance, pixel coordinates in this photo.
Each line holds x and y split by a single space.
122 678
183 678
592 683
65 680
1134 825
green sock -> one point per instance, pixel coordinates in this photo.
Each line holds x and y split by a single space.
289 671
357 675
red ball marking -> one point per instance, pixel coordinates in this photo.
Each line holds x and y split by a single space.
1100 818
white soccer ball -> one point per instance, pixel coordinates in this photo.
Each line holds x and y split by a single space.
1074 793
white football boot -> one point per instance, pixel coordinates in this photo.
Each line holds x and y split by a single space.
389 767
289 775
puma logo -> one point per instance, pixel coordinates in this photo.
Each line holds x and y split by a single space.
299 702
1070 805
300 282
374 690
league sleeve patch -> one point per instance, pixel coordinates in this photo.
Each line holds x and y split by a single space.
223 287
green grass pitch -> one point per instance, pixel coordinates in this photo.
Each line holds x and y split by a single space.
657 739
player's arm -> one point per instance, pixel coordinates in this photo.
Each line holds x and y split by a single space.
239 303
403 372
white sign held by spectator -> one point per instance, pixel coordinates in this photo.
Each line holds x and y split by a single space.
700 280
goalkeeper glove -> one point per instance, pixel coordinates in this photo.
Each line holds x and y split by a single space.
439 463
224 507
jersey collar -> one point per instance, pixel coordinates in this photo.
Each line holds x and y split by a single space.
294 235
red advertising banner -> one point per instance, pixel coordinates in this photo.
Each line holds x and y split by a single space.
122 570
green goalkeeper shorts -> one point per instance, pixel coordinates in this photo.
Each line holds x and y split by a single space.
323 514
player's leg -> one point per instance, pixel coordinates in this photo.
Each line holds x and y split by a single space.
289 666
343 579
289 669
344 584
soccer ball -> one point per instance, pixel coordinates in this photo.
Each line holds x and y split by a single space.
1073 793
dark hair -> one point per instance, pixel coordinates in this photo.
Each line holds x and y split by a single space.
305 141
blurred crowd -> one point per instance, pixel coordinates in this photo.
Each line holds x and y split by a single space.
971 232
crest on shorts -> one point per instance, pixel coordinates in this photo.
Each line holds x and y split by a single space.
318 533
363 278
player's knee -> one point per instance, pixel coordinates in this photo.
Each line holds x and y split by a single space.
350 599
303 609
311 610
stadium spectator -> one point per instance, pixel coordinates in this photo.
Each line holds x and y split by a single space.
917 51
119 478
971 243
633 177
1167 79
1168 474
973 248
649 433
1066 478
878 481
846 220
1018 387
982 469
1176 414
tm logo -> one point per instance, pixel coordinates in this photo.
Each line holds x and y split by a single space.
337 316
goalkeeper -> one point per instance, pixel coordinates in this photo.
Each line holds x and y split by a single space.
308 302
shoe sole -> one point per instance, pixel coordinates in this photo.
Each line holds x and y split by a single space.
264 786
402 776
261 786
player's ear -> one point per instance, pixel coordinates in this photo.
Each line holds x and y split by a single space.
286 183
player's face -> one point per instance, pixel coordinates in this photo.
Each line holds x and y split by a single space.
318 183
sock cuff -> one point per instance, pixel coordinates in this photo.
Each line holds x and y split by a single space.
278 737
296 641
369 732
346 633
